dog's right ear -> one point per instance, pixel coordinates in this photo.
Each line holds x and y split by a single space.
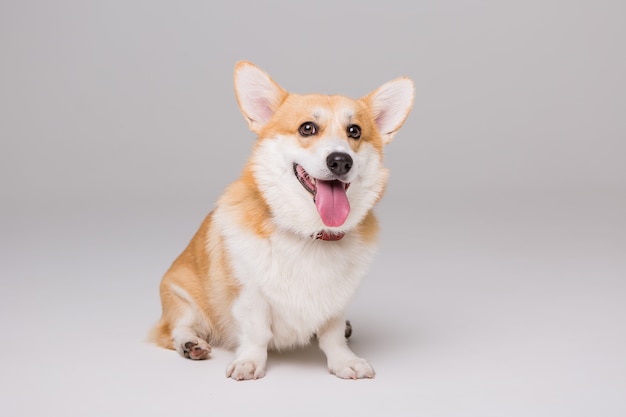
257 94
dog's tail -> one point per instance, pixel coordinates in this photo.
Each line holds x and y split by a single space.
161 335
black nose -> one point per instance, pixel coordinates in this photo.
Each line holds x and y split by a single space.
339 163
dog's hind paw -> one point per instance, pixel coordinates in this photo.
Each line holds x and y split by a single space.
348 330
196 349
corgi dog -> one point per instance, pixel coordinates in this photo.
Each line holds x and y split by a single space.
275 264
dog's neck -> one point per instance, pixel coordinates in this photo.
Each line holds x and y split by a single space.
326 235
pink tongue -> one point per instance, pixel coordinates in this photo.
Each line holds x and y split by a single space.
331 202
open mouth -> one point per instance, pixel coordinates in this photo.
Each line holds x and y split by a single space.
329 196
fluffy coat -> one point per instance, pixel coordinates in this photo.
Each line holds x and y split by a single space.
276 262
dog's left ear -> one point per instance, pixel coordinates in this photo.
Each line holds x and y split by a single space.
390 105
257 94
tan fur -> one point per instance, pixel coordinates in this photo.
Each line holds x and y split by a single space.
245 197
368 228
297 109
199 290
202 268
202 271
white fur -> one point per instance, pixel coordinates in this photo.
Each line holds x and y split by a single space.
391 104
293 287
258 95
341 360
273 169
190 327
299 279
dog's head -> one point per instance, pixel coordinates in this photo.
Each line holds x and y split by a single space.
318 159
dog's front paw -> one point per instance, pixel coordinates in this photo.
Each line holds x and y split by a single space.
352 369
240 370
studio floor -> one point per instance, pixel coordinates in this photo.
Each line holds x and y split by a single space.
478 304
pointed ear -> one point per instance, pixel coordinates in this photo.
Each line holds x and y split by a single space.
390 105
257 94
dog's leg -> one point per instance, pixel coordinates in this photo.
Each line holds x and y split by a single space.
187 342
188 327
252 314
341 360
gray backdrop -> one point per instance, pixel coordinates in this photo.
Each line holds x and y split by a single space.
499 288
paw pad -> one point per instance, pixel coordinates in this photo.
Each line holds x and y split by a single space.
196 350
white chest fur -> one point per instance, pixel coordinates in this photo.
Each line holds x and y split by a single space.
304 282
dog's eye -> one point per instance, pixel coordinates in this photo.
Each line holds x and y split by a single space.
308 129
354 131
